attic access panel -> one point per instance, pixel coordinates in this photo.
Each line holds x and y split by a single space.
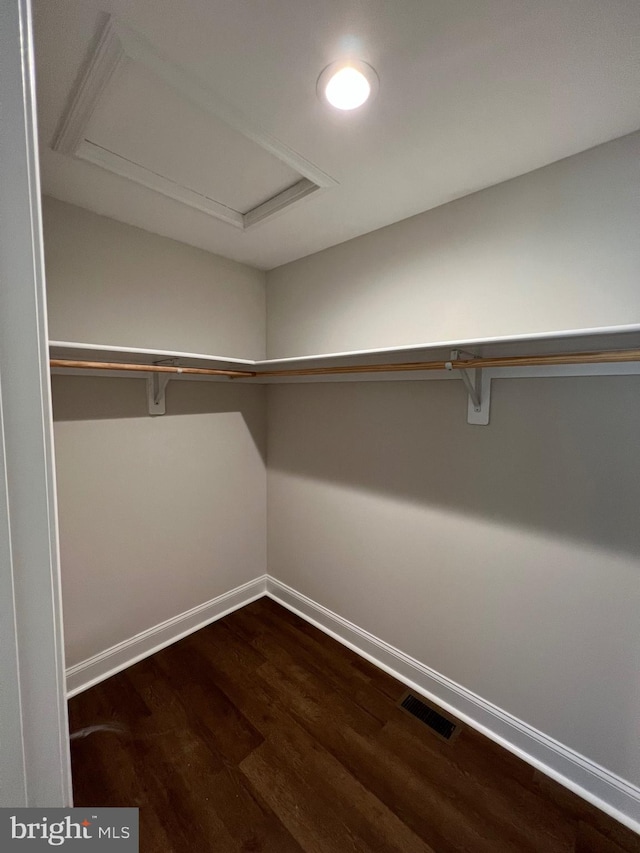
141 117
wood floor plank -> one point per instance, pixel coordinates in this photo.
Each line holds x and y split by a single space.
314 829
212 780
341 794
591 841
425 809
585 814
261 733
228 730
131 772
247 815
277 623
530 822
295 648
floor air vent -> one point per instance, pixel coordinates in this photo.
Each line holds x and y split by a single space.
441 726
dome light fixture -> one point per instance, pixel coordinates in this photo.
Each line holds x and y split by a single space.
347 85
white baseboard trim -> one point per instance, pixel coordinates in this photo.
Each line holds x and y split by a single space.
105 664
604 789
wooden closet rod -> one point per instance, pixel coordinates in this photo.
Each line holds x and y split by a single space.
149 368
509 361
504 361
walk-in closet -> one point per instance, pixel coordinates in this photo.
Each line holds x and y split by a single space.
325 530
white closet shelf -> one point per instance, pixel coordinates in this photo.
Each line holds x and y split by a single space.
543 343
73 351
607 350
605 339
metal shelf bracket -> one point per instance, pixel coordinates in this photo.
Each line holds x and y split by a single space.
478 385
156 388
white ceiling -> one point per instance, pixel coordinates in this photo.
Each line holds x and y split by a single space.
472 92
145 121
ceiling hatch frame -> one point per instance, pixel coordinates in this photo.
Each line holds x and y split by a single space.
117 43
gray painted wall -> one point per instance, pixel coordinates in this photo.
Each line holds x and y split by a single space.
111 283
505 557
157 514
552 250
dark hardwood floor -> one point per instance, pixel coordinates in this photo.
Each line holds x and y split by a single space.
260 733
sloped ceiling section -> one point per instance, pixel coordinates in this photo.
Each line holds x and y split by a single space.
472 93
139 116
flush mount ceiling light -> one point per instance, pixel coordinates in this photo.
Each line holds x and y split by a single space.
347 84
